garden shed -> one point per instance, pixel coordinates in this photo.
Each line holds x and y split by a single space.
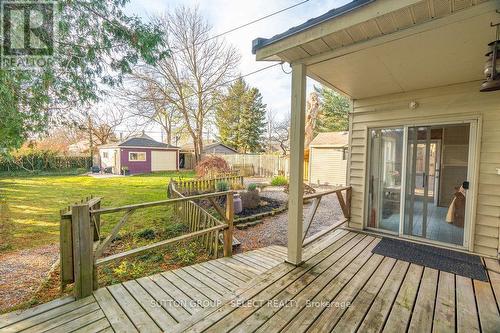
140 154
328 159
187 160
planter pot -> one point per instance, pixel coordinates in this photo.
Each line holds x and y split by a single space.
238 205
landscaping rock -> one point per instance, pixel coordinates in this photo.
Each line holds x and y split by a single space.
250 199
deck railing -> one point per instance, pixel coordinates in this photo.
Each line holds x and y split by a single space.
345 205
188 187
82 244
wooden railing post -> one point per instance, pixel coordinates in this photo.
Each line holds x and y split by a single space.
83 257
228 233
66 250
97 221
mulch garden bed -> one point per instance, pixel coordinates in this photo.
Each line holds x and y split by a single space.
266 205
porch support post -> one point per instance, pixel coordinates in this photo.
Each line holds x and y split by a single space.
296 182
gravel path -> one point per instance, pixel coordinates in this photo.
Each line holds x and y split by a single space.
22 272
273 230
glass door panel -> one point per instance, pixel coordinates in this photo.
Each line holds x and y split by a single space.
436 167
384 195
417 181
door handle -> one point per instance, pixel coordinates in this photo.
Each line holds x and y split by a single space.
465 185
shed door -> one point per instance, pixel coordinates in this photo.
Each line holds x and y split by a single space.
163 160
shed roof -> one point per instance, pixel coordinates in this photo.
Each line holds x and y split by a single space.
206 146
331 139
259 43
139 141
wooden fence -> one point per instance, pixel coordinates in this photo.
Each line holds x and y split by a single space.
82 244
257 164
195 186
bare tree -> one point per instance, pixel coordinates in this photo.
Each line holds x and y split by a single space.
146 99
190 79
312 110
271 123
281 134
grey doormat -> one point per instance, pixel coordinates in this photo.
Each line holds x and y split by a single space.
455 262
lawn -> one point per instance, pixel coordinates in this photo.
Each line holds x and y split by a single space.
29 205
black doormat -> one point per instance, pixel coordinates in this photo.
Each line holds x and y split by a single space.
459 263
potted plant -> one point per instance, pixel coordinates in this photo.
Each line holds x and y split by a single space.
125 171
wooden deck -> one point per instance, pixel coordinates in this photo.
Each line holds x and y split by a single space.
341 287
152 304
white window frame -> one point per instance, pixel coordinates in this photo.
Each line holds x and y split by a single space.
105 154
139 153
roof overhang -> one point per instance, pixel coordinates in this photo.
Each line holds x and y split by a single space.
389 46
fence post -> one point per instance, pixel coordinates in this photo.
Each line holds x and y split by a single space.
228 233
66 250
97 219
83 257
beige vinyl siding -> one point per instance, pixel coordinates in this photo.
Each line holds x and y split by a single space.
449 103
327 166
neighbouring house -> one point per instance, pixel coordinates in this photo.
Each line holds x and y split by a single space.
328 159
424 142
139 154
215 148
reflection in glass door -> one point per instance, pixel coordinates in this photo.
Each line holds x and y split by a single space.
437 165
386 156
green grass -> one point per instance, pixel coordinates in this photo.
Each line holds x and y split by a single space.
30 204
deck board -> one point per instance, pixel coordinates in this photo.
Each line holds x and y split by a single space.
444 313
379 311
467 317
257 291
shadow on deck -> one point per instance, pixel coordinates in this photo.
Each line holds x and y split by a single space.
341 287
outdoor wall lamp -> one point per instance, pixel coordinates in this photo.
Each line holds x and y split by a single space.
492 66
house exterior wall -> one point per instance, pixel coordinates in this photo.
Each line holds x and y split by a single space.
449 103
327 166
109 161
136 166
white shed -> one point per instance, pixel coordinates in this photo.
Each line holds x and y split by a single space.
328 159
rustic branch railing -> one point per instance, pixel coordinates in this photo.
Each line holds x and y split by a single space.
345 205
188 187
82 246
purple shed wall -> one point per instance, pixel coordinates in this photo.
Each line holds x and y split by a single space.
136 167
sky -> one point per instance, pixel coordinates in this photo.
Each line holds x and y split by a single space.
224 15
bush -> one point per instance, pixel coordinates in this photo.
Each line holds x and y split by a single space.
211 166
279 181
175 229
146 234
252 187
32 159
221 186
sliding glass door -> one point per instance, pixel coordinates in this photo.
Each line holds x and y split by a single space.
418 181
